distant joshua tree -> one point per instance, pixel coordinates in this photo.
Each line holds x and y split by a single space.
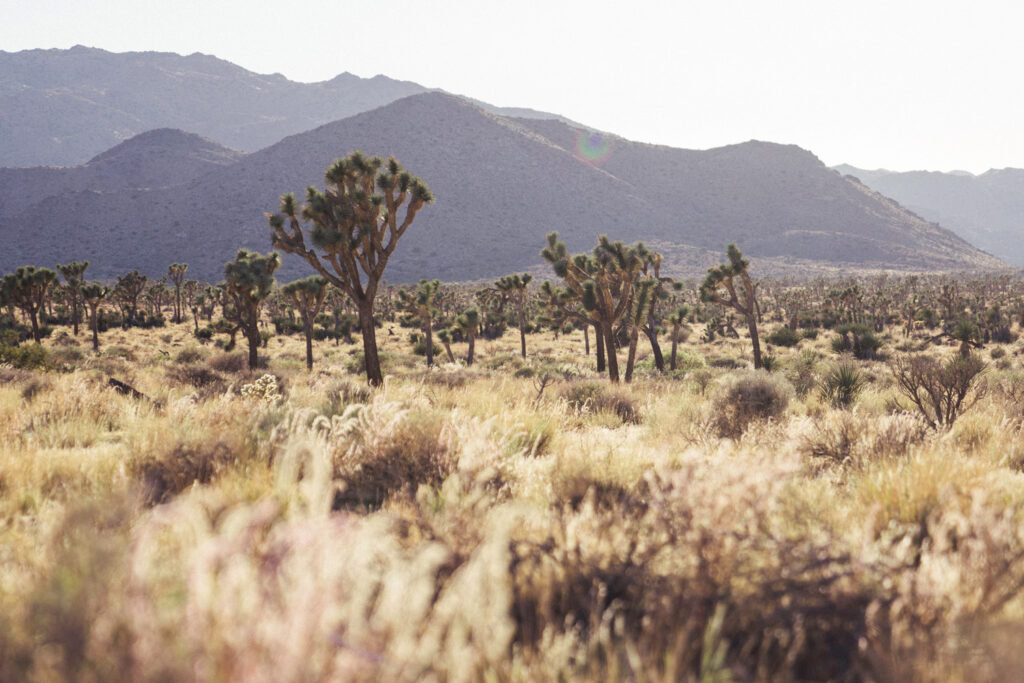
420 305
176 274
469 323
93 294
74 273
27 288
355 224
249 280
308 297
514 287
730 285
128 289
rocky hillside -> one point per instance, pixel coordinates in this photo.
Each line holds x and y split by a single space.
987 210
501 184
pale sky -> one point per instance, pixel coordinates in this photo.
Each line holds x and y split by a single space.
892 84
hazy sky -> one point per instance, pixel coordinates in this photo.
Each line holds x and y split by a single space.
897 84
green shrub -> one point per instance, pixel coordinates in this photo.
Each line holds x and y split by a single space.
783 337
26 356
748 396
598 398
858 340
841 385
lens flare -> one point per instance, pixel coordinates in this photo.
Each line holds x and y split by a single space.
593 148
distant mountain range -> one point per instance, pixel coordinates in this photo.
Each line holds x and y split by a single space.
987 210
501 183
63 107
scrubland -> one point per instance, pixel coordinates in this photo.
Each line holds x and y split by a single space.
513 520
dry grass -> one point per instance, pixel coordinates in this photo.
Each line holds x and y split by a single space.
479 523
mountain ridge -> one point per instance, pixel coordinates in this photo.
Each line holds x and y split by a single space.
501 183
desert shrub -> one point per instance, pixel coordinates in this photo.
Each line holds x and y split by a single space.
66 357
204 334
33 386
383 450
996 352
533 435
747 396
198 376
229 363
701 379
801 372
940 390
119 351
810 333
857 339
841 385
26 356
595 397
190 354
727 363
525 372
783 336
341 392
769 363
177 463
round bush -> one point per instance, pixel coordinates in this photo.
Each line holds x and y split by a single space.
745 397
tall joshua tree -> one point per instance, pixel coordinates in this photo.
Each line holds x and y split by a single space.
74 273
26 288
730 285
420 305
249 279
176 274
93 294
308 296
514 287
355 224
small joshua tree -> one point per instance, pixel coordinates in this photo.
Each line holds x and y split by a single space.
445 337
420 305
308 296
515 287
27 288
176 274
93 294
468 323
249 280
74 273
730 285
355 224
677 320
128 289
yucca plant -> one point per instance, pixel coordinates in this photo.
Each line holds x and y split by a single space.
840 387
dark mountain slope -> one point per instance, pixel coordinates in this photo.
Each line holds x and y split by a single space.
501 184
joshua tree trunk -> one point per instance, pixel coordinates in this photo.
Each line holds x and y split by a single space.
252 334
448 351
586 340
472 347
428 330
370 357
631 357
522 332
752 328
95 320
652 335
672 357
609 343
307 328
599 346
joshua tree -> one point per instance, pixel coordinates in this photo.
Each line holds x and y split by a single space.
26 288
445 337
355 224
730 285
677 319
468 323
308 296
561 305
93 294
604 283
73 273
514 287
249 279
128 289
420 305
176 274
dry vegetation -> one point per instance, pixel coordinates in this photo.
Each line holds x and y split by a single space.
513 520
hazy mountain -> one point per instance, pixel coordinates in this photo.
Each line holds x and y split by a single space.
158 158
62 107
987 210
500 184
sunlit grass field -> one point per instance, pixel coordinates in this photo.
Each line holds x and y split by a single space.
514 520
